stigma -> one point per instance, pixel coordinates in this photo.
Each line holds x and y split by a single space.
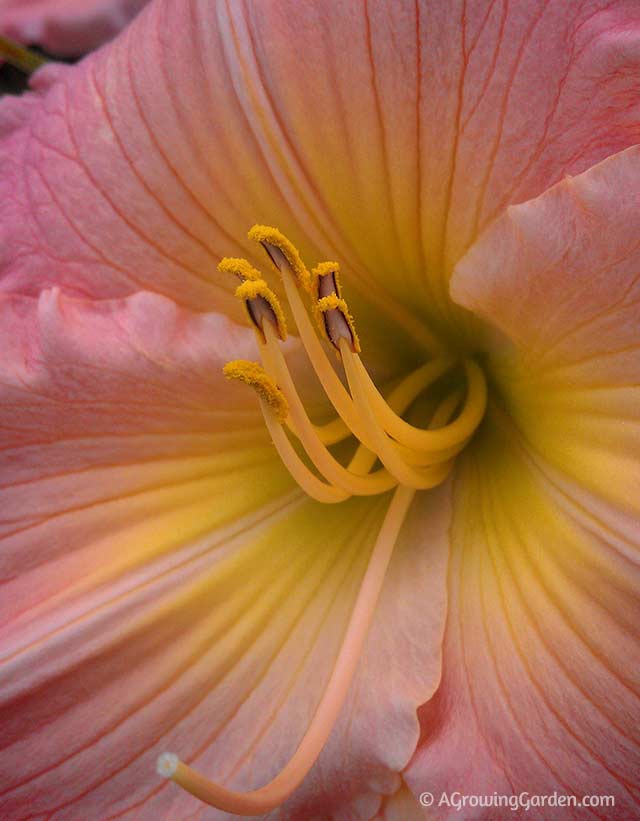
388 454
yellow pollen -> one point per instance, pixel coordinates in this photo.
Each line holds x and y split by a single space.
325 279
389 453
281 252
254 375
239 267
336 321
261 303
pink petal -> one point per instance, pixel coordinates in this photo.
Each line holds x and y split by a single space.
384 135
541 658
541 669
558 276
66 27
165 588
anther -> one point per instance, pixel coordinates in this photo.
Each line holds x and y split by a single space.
254 375
325 280
330 309
281 252
239 267
262 305
337 322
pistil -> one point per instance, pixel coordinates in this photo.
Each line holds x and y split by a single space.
275 793
412 458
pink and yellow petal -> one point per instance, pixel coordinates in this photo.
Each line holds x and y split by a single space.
540 690
115 431
165 587
383 136
558 276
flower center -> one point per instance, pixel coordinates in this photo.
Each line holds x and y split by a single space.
411 458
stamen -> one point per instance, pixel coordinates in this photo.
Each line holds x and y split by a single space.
282 253
457 433
331 312
399 400
326 464
337 322
238 267
262 305
329 380
256 377
419 479
275 410
275 793
308 481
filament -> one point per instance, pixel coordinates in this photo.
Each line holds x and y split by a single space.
386 449
277 791
457 432
341 477
333 387
308 481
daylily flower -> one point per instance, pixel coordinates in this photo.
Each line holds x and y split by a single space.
167 586
66 27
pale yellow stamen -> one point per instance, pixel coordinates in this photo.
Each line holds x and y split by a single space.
330 310
364 459
281 252
336 322
308 481
238 267
457 433
256 377
329 380
330 468
262 305
254 293
417 478
275 410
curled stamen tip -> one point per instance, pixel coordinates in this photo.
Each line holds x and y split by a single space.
167 764
261 303
254 375
337 322
239 267
281 252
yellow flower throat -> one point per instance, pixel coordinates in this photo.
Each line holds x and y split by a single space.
411 458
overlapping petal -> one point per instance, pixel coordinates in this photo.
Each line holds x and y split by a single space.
383 135
558 276
66 27
541 691
164 587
